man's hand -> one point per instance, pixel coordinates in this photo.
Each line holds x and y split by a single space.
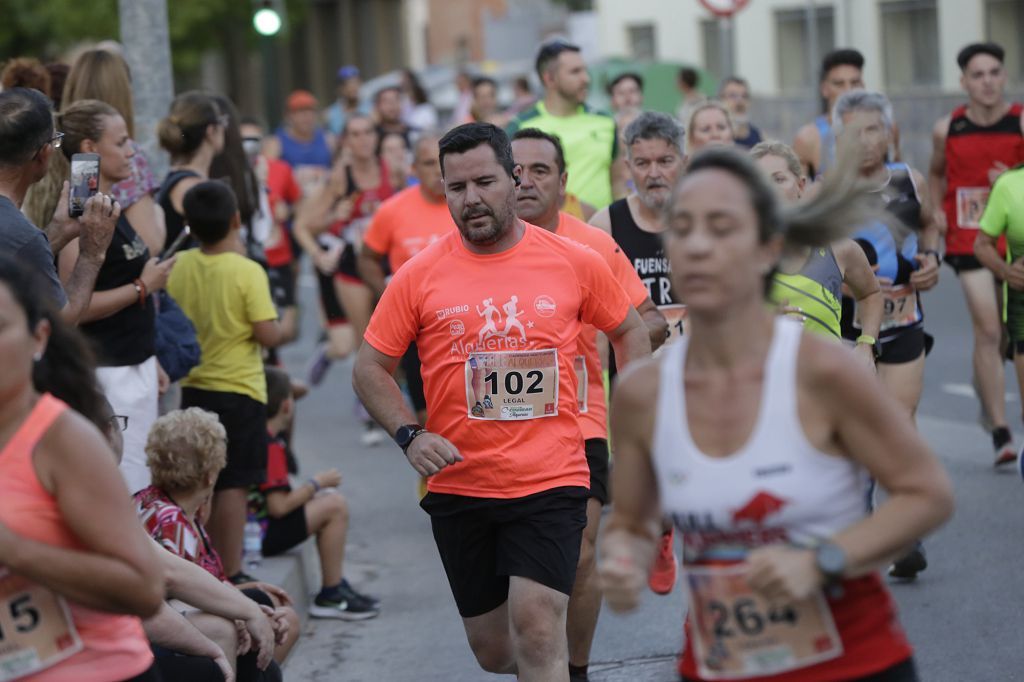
927 275
163 381
98 222
1013 275
429 453
62 228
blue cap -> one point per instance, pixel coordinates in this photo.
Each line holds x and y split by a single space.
346 72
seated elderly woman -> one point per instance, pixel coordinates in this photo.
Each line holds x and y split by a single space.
185 451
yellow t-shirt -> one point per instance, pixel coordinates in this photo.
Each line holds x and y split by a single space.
224 294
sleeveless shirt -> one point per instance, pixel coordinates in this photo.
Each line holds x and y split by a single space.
777 488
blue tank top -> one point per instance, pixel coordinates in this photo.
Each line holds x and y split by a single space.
316 152
892 247
827 148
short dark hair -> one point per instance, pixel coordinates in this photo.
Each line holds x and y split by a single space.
689 77
389 88
623 76
483 80
537 134
549 53
842 57
26 124
523 83
463 138
974 49
279 389
209 208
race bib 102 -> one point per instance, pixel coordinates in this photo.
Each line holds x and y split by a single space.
737 633
512 385
36 630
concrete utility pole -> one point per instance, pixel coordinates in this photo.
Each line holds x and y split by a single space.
147 48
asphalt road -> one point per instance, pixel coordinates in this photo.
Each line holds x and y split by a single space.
963 615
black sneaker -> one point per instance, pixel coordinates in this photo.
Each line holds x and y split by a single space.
1002 443
348 592
908 566
341 609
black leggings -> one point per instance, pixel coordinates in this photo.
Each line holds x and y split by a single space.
191 668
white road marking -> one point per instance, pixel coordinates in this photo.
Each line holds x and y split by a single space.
967 391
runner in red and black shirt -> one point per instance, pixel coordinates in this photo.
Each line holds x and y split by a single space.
972 147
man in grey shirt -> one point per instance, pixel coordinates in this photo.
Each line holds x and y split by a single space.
27 140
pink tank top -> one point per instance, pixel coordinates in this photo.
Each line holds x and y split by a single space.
58 641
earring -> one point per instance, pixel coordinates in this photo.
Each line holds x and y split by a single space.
37 356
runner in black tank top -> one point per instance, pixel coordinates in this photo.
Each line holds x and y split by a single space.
644 250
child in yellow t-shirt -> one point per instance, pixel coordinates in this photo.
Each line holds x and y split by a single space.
227 297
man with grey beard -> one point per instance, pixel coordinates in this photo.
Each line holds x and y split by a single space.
654 154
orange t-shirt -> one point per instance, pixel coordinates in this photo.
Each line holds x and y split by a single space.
112 646
497 335
406 224
594 421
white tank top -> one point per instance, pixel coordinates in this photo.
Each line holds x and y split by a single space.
776 488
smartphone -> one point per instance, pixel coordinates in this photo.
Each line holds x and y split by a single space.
176 245
85 181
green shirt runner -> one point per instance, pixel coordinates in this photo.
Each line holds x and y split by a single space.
589 139
1004 214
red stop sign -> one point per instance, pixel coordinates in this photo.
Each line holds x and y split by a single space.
724 8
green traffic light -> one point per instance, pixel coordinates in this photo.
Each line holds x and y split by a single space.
267 22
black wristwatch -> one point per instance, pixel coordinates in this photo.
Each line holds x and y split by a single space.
831 561
406 434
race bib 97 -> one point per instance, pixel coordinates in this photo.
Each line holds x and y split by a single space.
512 385
899 308
970 206
36 630
737 633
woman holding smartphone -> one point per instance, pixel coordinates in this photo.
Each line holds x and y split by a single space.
120 319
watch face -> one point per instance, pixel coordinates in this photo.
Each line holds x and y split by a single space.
831 560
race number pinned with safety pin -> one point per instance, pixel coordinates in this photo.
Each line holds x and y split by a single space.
970 206
36 630
737 633
512 385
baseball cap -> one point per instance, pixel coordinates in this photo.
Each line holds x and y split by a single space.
346 72
301 99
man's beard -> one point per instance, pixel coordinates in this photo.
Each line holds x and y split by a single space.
653 199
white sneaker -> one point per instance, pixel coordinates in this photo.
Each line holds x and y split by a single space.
372 435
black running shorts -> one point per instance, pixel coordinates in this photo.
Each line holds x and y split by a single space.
906 346
285 532
484 541
962 263
245 421
597 460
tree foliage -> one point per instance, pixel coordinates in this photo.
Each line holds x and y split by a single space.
49 29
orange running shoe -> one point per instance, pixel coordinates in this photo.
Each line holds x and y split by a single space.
666 567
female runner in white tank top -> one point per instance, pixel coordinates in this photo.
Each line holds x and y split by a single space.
757 439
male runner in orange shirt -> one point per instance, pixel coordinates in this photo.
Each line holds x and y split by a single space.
403 226
541 191
508 475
